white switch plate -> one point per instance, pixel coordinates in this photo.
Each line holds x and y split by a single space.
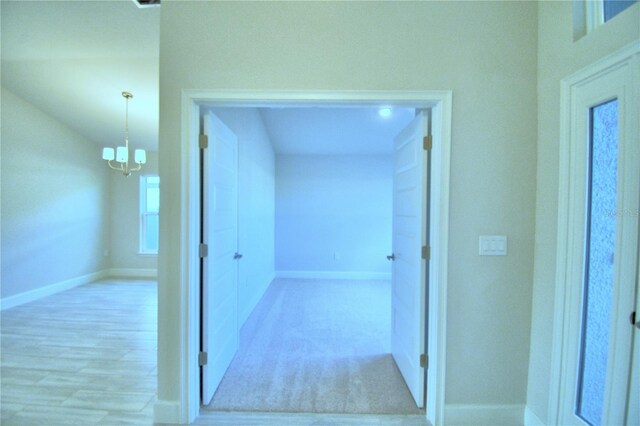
493 245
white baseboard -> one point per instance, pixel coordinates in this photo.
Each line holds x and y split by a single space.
483 415
133 273
48 290
531 419
166 412
334 275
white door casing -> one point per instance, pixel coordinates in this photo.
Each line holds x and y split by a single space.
613 78
188 379
408 268
219 267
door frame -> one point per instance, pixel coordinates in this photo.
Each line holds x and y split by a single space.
441 104
568 272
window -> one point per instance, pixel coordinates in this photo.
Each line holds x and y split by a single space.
149 213
590 14
612 7
601 11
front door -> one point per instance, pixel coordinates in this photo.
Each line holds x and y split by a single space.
601 243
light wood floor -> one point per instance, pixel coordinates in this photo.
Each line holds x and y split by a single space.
83 356
88 356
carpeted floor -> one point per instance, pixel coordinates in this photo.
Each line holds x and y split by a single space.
317 346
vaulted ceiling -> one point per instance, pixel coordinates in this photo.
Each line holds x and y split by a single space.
72 59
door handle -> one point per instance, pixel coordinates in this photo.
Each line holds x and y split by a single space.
392 257
237 256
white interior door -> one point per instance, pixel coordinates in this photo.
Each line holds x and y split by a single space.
601 243
409 268
220 266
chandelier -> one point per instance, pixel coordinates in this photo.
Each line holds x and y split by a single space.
121 153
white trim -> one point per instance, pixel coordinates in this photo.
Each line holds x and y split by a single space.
566 221
133 272
441 119
148 254
484 414
531 419
166 412
48 290
594 14
334 275
441 101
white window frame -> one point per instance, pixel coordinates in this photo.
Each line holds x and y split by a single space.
594 10
144 214
594 14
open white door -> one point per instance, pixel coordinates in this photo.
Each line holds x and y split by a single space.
409 271
219 266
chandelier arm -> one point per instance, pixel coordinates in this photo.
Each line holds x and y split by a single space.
137 168
120 168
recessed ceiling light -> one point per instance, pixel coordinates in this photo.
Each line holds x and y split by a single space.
147 3
384 112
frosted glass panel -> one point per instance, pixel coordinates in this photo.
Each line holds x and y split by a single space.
599 274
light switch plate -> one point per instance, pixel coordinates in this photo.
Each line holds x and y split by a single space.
493 245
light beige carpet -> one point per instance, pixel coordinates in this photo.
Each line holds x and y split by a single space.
317 346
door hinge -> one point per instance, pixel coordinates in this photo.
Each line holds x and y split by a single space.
427 143
204 250
634 319
426 252
203 141
202 358
424 361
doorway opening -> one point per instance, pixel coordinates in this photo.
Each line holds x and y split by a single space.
320 209
440 104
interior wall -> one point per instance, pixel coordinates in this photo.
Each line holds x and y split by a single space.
256 205
124 253
54 201
333 216
558 57
484 51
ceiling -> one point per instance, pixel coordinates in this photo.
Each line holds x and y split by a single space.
334 131
72 59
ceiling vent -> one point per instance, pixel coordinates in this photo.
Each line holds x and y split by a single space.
147 3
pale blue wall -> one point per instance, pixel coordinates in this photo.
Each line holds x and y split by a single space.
333 204
55 189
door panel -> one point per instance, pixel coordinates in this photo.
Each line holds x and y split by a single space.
219 268
602 251
409 269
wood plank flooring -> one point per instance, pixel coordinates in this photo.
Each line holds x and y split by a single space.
88 356
83 356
